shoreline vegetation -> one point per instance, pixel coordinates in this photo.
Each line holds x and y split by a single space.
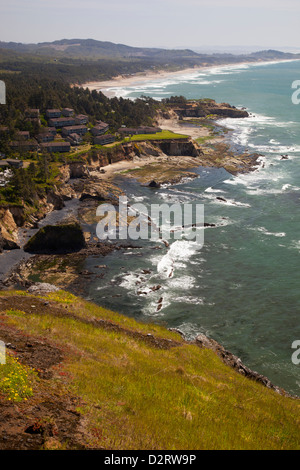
82 377
101 380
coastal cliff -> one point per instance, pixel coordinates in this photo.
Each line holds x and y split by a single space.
88 378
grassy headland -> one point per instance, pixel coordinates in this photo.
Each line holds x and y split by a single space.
130 385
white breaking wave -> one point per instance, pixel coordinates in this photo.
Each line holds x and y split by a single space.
295 245
212 190
179 251
243 129
228 202
182 282
266 232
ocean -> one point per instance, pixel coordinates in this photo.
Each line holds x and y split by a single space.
242 287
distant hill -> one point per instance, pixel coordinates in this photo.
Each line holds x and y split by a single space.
82 60
92 50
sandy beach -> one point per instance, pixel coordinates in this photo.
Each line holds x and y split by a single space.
135 79
108 87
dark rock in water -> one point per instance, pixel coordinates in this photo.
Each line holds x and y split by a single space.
159 304
154 288
153 184
206 224
6 244
221 199
57 239
146 271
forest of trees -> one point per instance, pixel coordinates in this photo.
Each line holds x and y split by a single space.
33 88
23 93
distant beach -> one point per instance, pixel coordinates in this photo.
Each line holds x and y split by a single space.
108 87
135 79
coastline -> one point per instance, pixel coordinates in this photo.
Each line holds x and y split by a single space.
69 274
121 81
116 168
134 79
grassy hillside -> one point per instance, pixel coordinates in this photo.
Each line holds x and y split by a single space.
84 377
93 50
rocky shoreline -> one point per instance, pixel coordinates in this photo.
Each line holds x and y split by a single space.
152 164
87 187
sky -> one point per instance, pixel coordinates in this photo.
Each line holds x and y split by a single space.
154 23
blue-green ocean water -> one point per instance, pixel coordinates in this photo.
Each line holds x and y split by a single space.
242 287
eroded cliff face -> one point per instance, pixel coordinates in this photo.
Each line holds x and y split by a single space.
8 226
75 181
11 217
157 148
128 151
178 148
204 108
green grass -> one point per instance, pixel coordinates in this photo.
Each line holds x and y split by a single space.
141 397
163 135
203 140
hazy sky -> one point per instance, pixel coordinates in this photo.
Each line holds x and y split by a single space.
159 23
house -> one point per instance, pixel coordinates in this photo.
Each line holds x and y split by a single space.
4 130
32 113
49 130
10 162
53 113
34 120
3 164
24 145
100 128
56 146
14 162
23 135
74 139
81 130
61 122
81 119
67 112
45 137
104 139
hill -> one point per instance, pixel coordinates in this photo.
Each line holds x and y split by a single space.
91 49
81 377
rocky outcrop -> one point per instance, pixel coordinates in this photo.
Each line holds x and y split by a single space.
64 238
66 192
180 148
9 216
42 288
235 362
55 200
98 190
6 244
229 111
208 107
153 184
73 170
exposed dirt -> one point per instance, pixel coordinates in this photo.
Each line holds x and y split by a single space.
49 419
45 422
30 351
42 307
